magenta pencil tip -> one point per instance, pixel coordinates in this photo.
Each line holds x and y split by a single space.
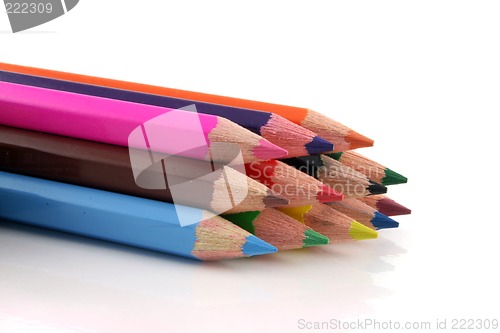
268 151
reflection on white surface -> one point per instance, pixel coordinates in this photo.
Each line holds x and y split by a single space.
65 283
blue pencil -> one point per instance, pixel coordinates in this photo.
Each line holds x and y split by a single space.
297 140
149 224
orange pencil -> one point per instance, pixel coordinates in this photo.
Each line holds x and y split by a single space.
341 136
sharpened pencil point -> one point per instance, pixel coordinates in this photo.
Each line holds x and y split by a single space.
274 200
359 231
390 207
393 178
376 188
357 140
268 151
328 194
381 221
313 238
255 246
318 145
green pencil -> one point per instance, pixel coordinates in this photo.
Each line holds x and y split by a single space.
373 170
278 229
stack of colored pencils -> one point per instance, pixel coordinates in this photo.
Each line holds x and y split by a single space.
133 164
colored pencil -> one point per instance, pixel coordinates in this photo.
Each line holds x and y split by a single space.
124 219
341 178
331 223
299 188
278 229
373 170
129 124
341 136
297 140
385 205
364 214
108 167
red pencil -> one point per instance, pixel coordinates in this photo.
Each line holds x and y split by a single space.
299 188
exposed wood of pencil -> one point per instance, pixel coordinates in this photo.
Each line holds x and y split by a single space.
124 219
385 205
278 229
336 175
297 140
346 180
332 223
373 170
340 135
252 146
299 188
218 239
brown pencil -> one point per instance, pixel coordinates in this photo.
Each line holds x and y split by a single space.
108 167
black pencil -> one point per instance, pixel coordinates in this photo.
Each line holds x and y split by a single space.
336 175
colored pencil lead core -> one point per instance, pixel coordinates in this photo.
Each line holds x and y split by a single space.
267 151
328 194
393 178
376 188
313 238
357 140
359 231
381 221
319 145
255 246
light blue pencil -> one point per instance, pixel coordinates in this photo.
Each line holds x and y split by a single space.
149 224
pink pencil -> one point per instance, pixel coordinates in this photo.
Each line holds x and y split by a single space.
159 129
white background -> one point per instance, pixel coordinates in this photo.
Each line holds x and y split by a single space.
422 78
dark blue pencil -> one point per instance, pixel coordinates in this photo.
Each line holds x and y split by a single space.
297 140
